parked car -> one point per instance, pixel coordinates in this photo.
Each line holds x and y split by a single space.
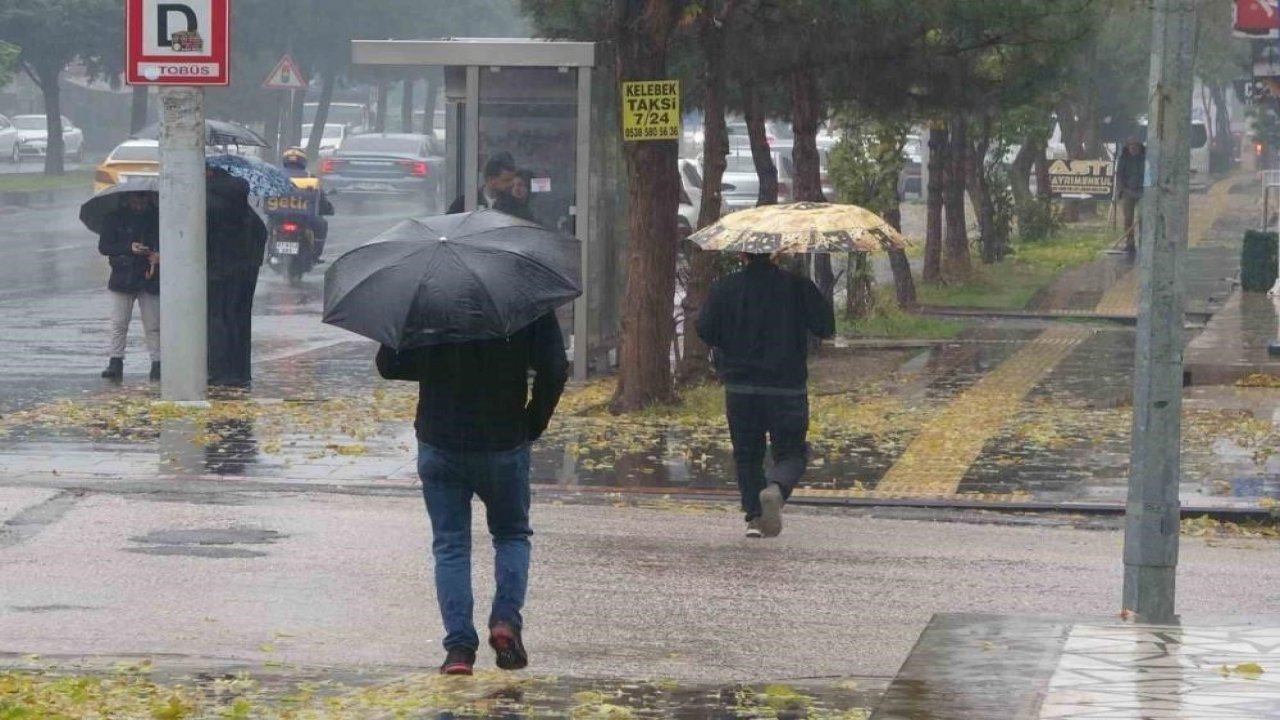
33 138
691 198
742 182
131 158
8 137
334 134
386 164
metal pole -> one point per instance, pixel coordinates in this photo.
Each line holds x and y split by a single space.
584 222
183 290
1153 512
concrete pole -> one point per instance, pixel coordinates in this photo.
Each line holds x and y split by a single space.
1153 513
183 276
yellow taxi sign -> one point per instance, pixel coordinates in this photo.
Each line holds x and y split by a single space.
651 110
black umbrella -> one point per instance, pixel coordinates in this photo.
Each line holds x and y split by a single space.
225 194
452 278
94 212
217 132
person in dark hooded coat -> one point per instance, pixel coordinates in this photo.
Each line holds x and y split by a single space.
236 245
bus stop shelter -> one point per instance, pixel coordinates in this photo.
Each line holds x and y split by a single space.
553 106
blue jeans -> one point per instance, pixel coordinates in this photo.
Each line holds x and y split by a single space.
501 481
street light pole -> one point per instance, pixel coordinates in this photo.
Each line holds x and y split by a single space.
1153 513
183 283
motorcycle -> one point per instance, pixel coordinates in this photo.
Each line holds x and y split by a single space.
298 229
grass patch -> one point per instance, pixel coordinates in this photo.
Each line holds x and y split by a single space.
1012 284
36 182
891 322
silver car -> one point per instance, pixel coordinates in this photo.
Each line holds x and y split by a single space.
33 138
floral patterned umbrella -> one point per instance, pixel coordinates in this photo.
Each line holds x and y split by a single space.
798 228
265 179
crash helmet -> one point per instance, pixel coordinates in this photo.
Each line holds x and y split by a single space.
294 157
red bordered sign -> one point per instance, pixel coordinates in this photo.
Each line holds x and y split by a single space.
178 42
1257 19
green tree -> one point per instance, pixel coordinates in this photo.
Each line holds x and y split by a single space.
53 33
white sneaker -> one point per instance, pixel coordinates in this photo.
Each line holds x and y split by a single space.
770 520
753 529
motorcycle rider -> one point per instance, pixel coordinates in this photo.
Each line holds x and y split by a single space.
294 163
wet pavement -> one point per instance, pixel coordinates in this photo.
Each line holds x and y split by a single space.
976 667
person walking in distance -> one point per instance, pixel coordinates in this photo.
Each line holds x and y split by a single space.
130 239
475 421
1131 175
758 322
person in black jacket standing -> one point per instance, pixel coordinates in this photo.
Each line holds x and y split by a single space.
1131 175
758 321
475 422
236 244
130 239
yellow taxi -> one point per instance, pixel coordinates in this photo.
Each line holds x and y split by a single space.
131 158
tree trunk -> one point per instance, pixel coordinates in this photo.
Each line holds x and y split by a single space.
806 109
938 147
904 283
55 153
761 155
1020 173
406 106
695 362
860 299
980 193
380 121
956 265
644 372
429 103
138 109
327 83
1044 189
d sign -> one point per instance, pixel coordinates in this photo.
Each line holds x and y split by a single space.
178 42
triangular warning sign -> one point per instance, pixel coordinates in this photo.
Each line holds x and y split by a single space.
285 76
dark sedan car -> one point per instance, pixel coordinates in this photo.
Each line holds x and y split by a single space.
386 164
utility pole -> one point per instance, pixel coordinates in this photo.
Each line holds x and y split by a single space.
1153 513
183 285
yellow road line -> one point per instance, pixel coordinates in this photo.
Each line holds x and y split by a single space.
937 459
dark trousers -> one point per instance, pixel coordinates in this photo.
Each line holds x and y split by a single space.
782 420
1129 208
231 329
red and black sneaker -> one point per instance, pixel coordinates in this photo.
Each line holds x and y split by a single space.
459 661
505 641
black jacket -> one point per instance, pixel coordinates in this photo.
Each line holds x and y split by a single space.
1131 173
129 271
759 320
474 396
236 239
459 204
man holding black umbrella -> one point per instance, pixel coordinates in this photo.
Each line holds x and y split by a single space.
475 422
130 238
464 306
